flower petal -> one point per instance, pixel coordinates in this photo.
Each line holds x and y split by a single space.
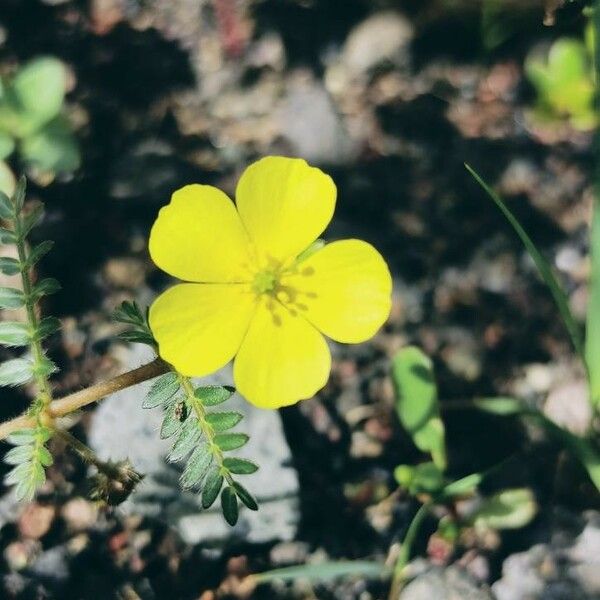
344 290
285 205
199 327
200 237
283 358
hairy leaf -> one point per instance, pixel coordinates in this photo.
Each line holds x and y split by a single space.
214 394
245 496
45 287
221 421
15 372
11 298
7 236
47 327
229 504
7 209
162 390
9 266
196 467
18 455
188 439
171 422
14 333
240 466
38 252
212 487
32 219
230 441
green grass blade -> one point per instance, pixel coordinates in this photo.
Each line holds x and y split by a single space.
592 340
544 267
325 571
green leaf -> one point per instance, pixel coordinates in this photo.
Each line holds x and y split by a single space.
544 267
212 487
417 402
424 478
508 509
34 97
7 179
327 571
47 326
137 337
9 266
230 441
592 340
45 287
162 390
464 486
7 209
13 333
22 437
7 145
130 313
18 197
44 457
38 252
171 422
245 496
44 367
18 455
53 148
31 219
15 372
240 466
188 439
7 236
221 421
229 504
214 394
11 298
500 406
196 467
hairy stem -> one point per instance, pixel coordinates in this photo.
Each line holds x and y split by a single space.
87 454
44 391
72 402
205 426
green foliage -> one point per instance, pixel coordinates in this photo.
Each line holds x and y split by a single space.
326 571
564 83
28 458
544 267
30 455
592 339
507 509
200 437
31 120
139 331
417 402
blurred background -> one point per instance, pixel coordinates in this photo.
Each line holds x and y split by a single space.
130 99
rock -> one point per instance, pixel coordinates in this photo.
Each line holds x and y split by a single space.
566 568
79 514
120 429
310 122
35 520
451 583
568 406
385 36
52 564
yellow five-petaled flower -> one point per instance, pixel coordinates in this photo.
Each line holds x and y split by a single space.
256 293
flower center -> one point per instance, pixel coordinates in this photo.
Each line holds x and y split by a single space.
264 282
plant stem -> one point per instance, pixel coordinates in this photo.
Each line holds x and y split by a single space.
87 454
72 402
406 550
37 352
205 426
592 342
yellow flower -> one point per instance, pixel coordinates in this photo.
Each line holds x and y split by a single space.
256 293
